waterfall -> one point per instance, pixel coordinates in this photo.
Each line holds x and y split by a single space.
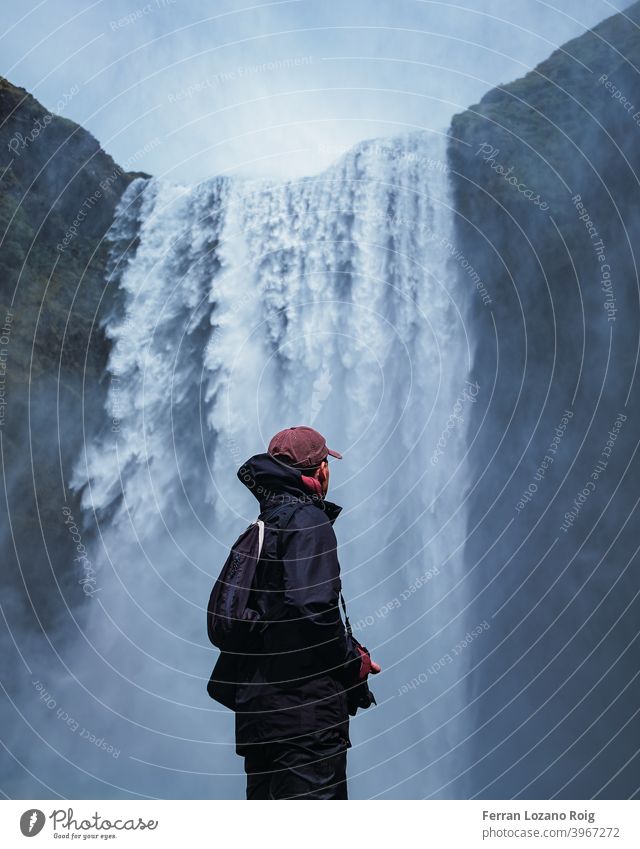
243 307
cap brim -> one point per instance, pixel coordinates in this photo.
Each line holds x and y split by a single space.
335 454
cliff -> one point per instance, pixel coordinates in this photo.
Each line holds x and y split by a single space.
59 190
546 175
54 174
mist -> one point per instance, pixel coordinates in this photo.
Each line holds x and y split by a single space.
186 90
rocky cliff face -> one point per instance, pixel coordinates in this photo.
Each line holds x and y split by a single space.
547 181
58 193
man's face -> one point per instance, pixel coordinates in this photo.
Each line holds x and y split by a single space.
323 476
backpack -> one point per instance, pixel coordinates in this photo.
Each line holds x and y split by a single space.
230 619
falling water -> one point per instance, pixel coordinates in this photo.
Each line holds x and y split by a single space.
243 307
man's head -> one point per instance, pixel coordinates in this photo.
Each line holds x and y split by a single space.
304 449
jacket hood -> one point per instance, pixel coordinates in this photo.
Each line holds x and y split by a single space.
272 481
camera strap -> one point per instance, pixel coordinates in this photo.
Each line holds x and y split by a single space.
346 618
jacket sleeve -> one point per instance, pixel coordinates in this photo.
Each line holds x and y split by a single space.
311 596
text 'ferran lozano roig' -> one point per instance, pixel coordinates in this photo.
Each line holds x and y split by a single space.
575 816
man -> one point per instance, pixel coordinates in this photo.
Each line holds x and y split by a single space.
291 699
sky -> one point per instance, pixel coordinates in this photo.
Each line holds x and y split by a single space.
186 89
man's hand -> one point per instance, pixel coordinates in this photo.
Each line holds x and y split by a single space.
367 666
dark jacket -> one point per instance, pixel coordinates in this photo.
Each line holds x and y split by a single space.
292 682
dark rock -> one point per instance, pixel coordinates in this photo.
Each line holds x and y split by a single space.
53 295
552 339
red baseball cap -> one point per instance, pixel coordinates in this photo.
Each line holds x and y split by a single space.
301 446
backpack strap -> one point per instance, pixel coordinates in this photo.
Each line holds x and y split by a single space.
260 525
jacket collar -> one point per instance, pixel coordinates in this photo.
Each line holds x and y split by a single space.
273 482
